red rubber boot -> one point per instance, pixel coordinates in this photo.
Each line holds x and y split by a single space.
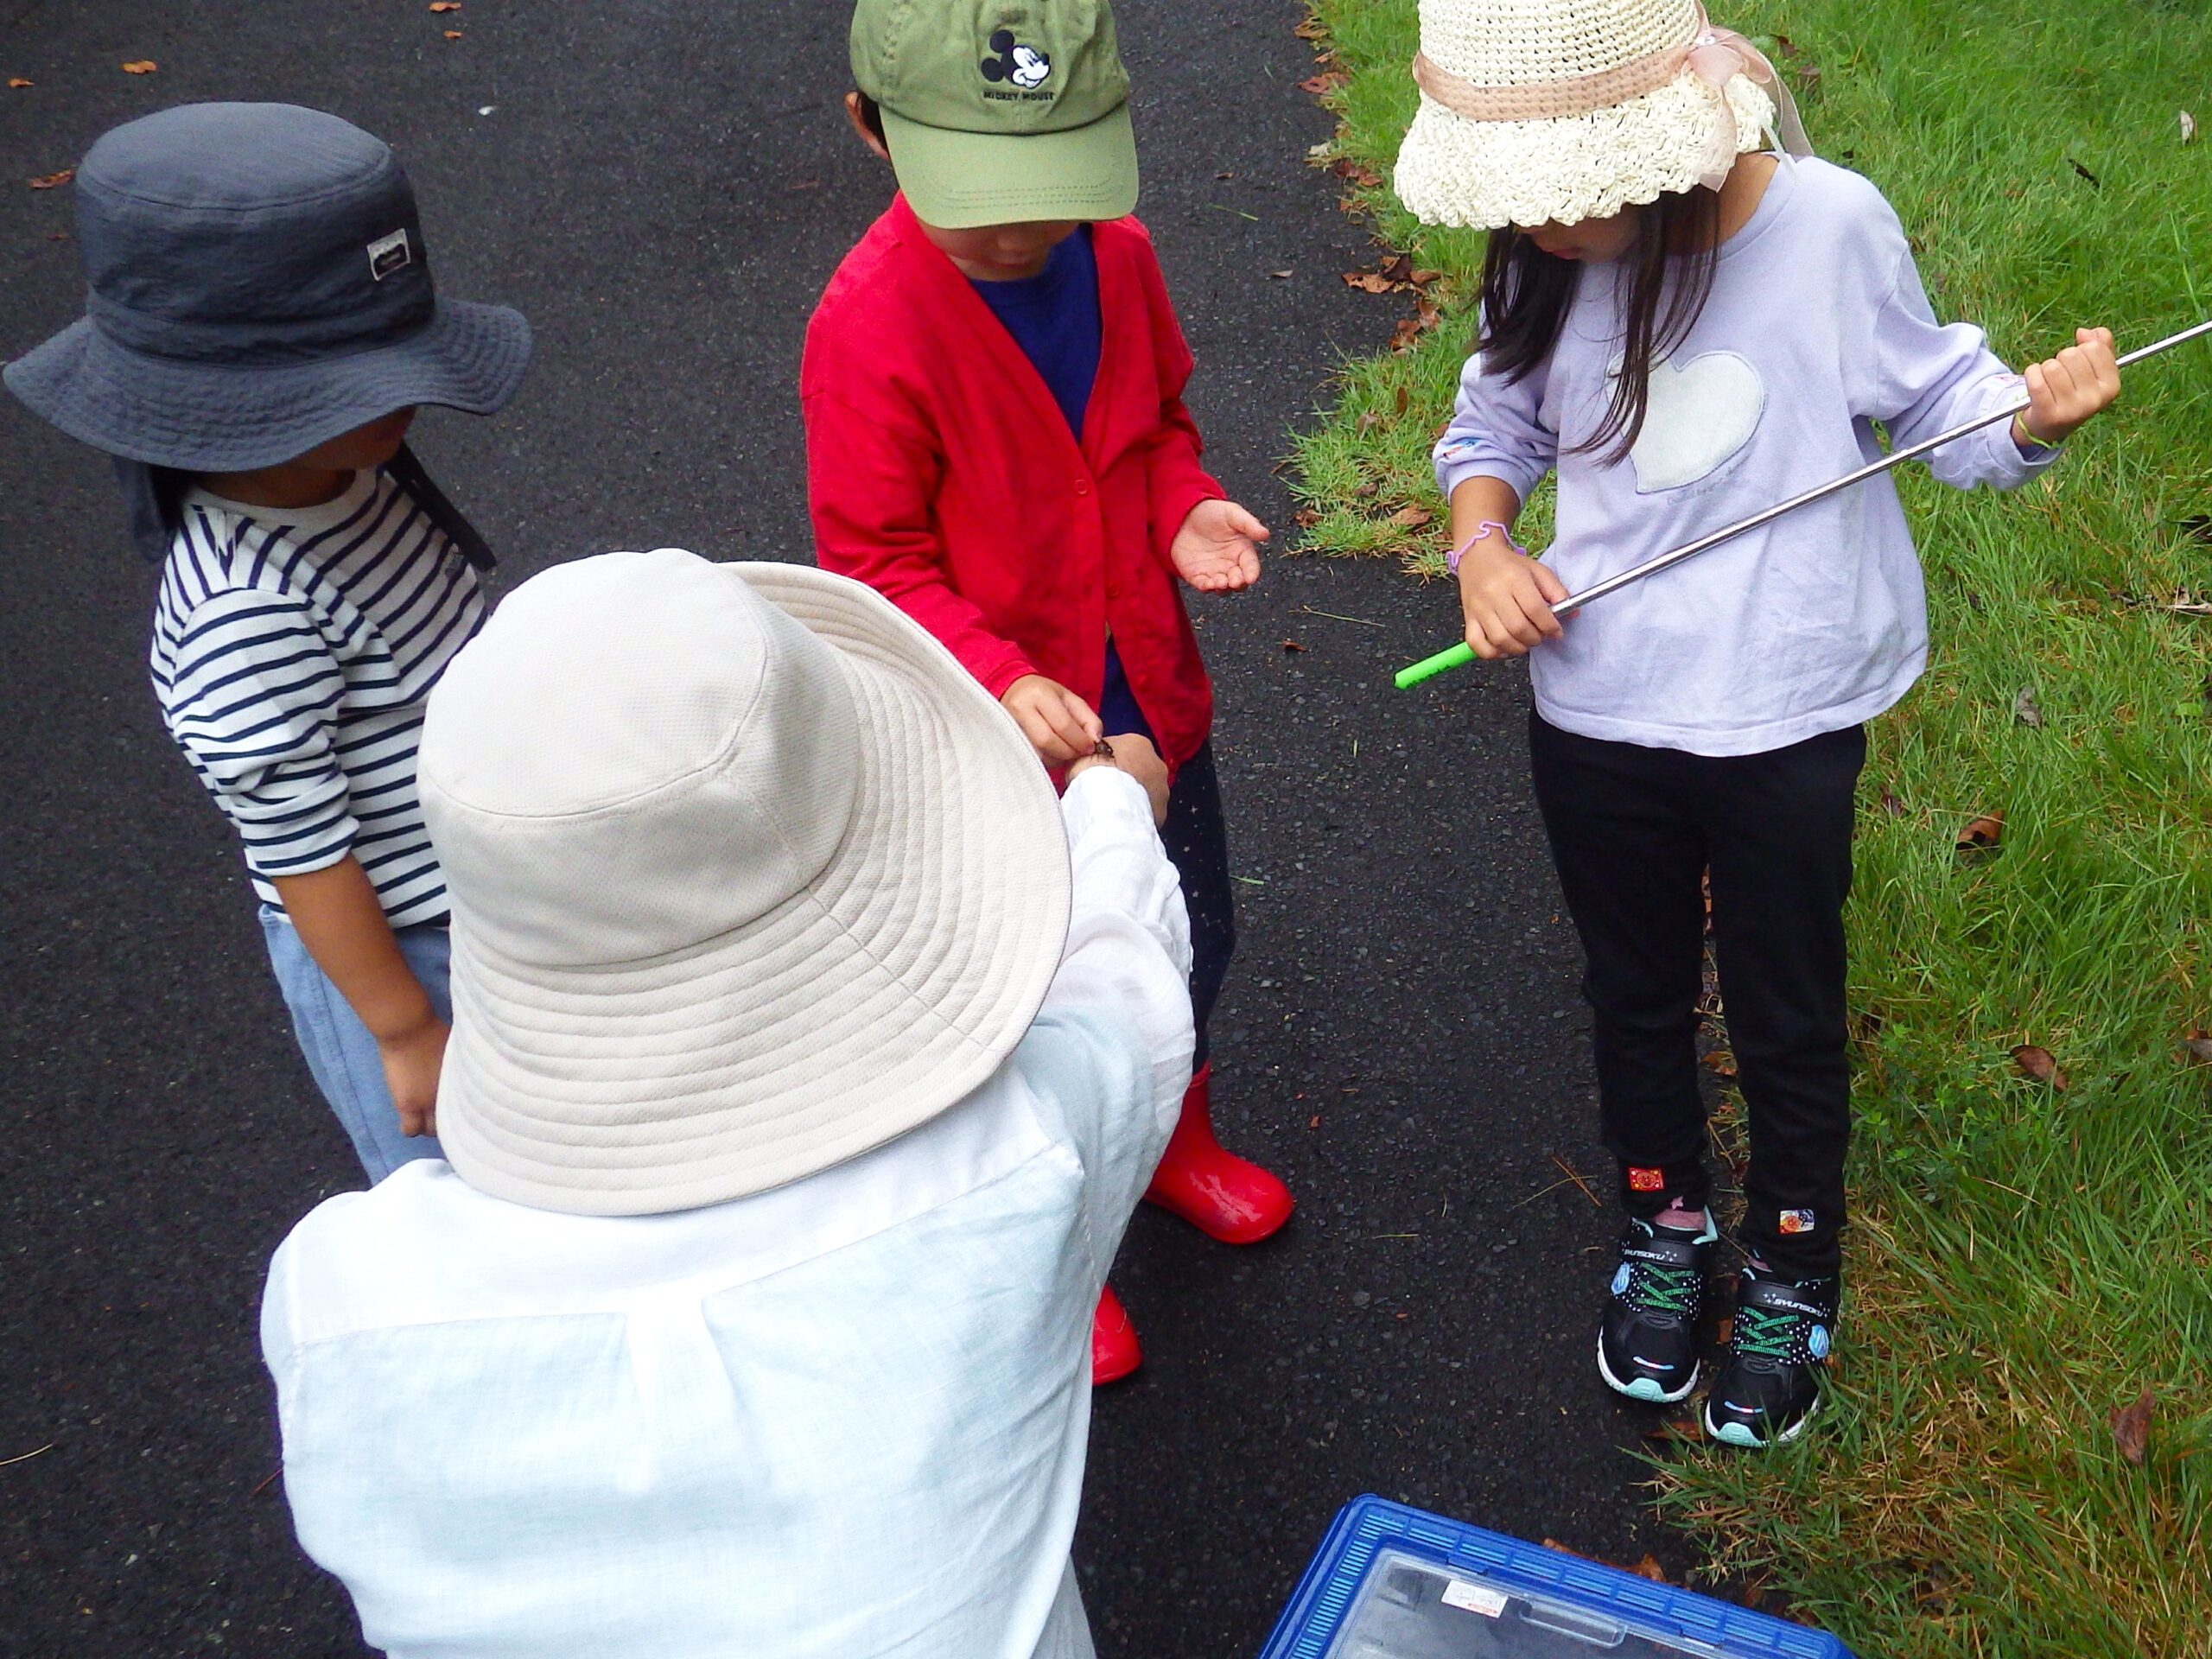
1222 1195
1113 1350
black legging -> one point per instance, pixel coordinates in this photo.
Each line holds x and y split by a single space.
1197 843
1631 829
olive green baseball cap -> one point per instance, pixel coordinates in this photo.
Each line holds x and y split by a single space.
998 111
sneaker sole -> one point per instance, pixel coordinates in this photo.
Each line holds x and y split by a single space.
1644 1389
1737 1434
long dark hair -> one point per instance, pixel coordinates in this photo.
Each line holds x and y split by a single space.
1667 275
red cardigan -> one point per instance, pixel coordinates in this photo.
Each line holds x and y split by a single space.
941 473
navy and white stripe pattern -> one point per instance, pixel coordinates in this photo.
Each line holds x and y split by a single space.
293 652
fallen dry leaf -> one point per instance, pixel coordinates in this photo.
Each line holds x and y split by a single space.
1410 518
1405 334
2037 1064
1983 833
1648 1567
1399 268
1400 401
1277 276
2199 1043
142 66
1799 62
2024 707
1720 1063
54 180
1292 645
18 83
2130 1427
1368 419
1306 518
1345 167
1892 805
1426 316
445 5
1311 28
1323 84
453 35
2188 123
1368 282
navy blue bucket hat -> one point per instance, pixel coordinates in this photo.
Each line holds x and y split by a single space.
258 285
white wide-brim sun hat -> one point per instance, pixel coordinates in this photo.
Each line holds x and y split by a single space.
749 876
1552 111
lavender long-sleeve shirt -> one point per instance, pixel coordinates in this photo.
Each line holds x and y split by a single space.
1816 329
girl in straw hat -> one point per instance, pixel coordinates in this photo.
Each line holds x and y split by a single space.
1688 327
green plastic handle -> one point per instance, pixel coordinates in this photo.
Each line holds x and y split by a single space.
1429 667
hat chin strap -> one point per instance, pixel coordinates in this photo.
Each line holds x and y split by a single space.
1716 56
153 505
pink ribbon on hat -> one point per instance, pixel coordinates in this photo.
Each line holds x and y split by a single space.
1716 56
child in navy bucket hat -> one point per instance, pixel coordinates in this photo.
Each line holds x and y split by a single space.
260 329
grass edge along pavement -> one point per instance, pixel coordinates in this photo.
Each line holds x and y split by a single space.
2033 1241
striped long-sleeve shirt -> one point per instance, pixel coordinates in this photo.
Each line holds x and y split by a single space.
293 652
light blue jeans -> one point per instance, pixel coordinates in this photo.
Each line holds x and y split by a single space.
339 1051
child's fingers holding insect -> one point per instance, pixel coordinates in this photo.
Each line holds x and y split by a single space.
1058 724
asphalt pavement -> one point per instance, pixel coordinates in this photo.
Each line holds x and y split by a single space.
663 188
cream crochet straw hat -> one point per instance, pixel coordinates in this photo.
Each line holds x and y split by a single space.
749 876
1535 112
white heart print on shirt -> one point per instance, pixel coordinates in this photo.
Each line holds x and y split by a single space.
1699 413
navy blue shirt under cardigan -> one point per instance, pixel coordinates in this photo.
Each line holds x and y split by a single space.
1053 317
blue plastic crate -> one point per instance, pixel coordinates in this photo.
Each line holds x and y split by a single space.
1392 1582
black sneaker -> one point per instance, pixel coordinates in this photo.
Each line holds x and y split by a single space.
1647 1342
1770 1385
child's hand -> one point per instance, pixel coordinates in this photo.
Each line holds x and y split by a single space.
412 1061
1217 550
1057 724
1507 600
2069 388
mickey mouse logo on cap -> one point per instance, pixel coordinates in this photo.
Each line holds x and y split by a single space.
1024 66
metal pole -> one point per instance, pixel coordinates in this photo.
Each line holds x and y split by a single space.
1895 458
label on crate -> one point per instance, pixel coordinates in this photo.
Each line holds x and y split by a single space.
1474 1598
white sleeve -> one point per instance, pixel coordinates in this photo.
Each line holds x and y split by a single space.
1128 949
1497 431
1930 377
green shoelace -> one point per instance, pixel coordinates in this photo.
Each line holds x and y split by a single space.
1667 1290
1763 1334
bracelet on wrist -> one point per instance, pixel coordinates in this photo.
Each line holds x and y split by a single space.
2027 439
1484 532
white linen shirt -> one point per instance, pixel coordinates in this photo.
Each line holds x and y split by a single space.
841 1419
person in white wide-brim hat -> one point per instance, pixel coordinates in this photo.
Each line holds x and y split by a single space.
808 1061
1689 328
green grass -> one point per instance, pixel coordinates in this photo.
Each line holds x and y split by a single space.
2026 1259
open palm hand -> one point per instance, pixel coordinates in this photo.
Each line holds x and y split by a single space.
1216 550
